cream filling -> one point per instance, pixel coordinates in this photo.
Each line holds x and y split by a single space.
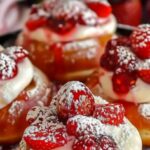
10 89
138 94
80 32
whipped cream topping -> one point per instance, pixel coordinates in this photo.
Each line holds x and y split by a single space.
80 32
9 90
144 110
138 94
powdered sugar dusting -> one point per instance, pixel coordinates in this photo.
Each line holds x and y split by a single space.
66 10
143 33
16 52
144 110
120 134
15 111
8 67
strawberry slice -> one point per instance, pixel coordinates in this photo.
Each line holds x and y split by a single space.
144 75
45 137
140 41
8 67
112 114
102 9
82 125
87 142
74 98
17 53
123 81
107 143
90 142
34 23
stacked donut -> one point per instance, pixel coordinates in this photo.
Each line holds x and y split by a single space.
76 119
66 38
124 77
22 86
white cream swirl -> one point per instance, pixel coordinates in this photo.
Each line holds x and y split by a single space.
10 89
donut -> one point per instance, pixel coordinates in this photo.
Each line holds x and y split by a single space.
22 86
66 38
76 119
124 76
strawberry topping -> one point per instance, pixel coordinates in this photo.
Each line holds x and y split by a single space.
140 39
8 67
74 98
107 143
8 61
144 75
123 82
126 66
81 125
112 114
63 15
102 9
89 142
35 23
46 137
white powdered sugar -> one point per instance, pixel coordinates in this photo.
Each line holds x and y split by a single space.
121 134
143 33
126 57
16 52
7 66
15 111
9 90
144 110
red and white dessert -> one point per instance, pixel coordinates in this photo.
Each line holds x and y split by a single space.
22 86
77 120
125 76
67 38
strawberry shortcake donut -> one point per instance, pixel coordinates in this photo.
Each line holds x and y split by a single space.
77 120
22 86
66 37
124 76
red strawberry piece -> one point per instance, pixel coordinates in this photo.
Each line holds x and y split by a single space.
37 22
45 137
107 143
123 82
74 98
140 40
90 142
17 53
64 15
144 75
61 26
112 114
110 59
8 67
82 125
87 142
102 9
